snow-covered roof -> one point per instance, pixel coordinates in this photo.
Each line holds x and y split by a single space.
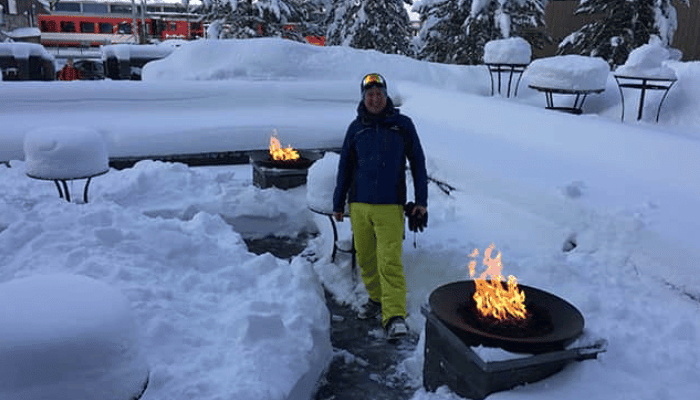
24 50
23 33
127 51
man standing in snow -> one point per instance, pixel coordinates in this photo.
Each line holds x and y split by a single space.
372 168
69 72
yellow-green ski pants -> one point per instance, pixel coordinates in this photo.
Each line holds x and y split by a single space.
378 233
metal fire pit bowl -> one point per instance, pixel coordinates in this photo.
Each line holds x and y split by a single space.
449 302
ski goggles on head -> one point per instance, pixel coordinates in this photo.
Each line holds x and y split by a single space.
372 80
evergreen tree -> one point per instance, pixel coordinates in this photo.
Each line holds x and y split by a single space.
255 18
622 26
455 31
382 25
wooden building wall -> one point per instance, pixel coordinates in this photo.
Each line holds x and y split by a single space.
561 21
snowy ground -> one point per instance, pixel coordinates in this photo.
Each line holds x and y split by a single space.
213 316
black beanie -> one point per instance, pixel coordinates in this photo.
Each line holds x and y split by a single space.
380 83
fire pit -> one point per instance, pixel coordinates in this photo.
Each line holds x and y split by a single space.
284 168
553 323
504 315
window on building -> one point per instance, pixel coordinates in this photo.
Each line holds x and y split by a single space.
91 8
67 26
87 27
154 8
106 27
170 9
124 28
120 9
67 7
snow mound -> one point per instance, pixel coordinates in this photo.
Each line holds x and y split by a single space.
570 72
514 50
24 50
67 335
320 183
648 61
65 153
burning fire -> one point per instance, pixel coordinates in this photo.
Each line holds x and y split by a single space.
491 297
278 153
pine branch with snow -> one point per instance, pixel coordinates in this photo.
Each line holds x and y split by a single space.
623 26
381 25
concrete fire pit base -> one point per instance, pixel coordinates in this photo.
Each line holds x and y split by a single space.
448 361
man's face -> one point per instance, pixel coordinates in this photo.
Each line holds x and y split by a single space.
375 101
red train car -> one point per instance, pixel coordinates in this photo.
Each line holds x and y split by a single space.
84 23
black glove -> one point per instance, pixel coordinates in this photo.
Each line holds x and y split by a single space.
416 222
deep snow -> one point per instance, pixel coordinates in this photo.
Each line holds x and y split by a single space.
218 322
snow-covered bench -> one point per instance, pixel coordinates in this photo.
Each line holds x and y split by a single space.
571 75
62 154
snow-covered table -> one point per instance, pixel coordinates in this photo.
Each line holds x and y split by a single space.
510 69
507 56
571 75
62 154
643 84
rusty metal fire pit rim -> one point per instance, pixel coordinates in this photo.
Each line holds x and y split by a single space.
567 320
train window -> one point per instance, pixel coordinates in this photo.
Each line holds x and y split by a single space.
195 26
124 28
120 9
67 26
69 7
92 8
87 27
48 26
106 27
172 26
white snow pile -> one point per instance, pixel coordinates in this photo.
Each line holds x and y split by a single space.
275 59
648 61
513 50
68 335
27 32
65 152
320 183
569 72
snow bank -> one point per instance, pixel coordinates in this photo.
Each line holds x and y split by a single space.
67 335
280 59
128 51
648 61
514 50
65 153
320 183
570 72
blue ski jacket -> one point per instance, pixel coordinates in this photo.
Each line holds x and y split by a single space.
372 166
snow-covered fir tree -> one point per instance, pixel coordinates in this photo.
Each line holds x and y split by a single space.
255 18
620 27
382 25
455 31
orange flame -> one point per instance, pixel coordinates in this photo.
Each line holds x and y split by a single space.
279 153
492 299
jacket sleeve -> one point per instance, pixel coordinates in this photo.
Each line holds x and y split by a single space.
416 159
346 171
